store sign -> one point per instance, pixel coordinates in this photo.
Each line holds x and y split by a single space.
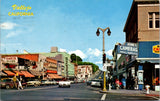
10 60
156 49
149 49
128 48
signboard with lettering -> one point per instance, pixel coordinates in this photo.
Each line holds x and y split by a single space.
128 48
10 60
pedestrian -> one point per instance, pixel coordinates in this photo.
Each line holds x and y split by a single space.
123 83
14 81
19 84
117 84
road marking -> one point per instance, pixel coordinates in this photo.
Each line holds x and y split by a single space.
155 98
103 97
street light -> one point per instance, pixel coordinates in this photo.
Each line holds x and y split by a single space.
104 75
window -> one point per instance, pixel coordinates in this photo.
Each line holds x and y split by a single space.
157 20
154 20
150 20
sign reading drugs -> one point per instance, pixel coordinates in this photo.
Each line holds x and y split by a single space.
128 48
10 60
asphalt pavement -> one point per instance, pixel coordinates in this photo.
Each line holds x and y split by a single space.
77 92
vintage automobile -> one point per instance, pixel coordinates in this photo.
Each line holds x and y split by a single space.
8 83
34 83
45 82
96 83
64 83
53 82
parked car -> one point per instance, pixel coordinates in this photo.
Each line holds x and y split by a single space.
45 82
96 83
89 82
53 82
64 83
71 81
8 83
34 83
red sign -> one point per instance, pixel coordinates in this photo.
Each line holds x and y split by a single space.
52 71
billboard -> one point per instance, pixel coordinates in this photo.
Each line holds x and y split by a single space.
128 49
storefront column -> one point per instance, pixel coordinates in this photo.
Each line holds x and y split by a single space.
140 77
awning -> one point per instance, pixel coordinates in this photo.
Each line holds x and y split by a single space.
9 73
19 73
151 60
27 74
54 76
2 74
35 73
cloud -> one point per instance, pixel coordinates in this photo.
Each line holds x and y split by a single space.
94 52
8 25
98 62
78 53
109 52
13 33
62 50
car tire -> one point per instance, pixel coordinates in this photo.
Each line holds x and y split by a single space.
35 85
7 87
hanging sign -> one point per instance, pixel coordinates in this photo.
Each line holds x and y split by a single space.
128 48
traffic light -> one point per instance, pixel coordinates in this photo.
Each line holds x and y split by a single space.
104 58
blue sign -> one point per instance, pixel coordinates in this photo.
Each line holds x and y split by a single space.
147 50
128 48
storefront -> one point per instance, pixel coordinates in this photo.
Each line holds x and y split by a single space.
148 57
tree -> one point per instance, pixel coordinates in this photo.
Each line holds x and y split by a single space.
75 58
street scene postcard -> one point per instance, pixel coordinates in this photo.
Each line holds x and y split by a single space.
79 50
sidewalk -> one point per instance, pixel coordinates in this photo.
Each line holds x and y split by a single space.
135 92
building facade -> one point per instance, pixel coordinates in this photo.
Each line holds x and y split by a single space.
142 27
84 72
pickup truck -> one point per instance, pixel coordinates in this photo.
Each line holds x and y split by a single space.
64 83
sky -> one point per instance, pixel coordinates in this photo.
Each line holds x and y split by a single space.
70 25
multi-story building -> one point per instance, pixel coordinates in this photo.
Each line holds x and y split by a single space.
67 68
84 72
142 27
27 65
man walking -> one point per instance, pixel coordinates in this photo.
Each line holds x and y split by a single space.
19 84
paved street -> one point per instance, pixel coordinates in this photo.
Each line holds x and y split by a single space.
77 92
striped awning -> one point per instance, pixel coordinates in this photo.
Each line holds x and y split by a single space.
2 74
9 73
35 73
27 74
19 73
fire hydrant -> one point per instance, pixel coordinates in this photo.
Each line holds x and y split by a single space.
110 86
147 89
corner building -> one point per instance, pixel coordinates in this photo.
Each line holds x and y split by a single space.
142 27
